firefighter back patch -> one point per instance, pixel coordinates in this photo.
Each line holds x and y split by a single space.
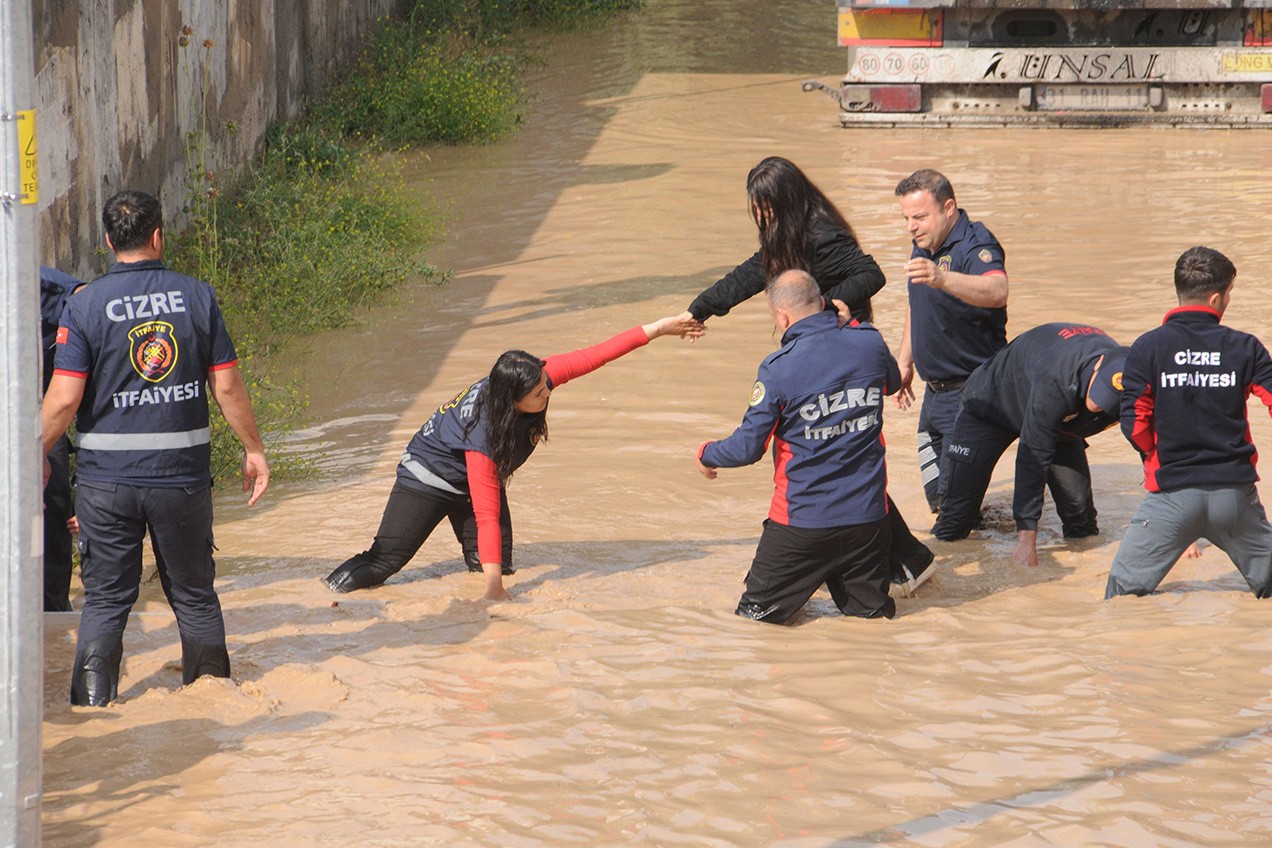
152 348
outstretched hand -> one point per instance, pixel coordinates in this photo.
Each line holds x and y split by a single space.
683 325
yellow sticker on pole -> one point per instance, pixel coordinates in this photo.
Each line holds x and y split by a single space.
30 171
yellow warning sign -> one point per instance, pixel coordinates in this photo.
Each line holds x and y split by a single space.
30 171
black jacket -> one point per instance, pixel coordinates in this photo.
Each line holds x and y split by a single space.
1036 387
838 265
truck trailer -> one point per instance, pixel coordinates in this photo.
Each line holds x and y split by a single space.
1079 62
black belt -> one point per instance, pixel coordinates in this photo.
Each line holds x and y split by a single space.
946 385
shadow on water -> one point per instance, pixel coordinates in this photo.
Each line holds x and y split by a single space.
970 815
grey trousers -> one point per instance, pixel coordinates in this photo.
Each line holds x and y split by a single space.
1168 522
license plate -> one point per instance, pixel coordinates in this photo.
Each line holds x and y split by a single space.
1092 98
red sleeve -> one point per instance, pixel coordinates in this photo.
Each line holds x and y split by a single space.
1143 433
483 485
564 367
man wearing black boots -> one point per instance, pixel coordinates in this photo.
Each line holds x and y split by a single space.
138 352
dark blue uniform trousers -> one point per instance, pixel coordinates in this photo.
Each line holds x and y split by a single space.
114 519
937 416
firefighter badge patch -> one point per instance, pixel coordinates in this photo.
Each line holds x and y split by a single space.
152 348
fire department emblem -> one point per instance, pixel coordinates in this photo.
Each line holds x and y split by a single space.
1117 381
757 393
152 348
985 255
945 262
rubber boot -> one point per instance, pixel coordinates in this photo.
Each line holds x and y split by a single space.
95 675
199 660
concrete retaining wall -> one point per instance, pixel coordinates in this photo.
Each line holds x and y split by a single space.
116 95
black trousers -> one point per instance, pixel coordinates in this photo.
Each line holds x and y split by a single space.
58 508
409 518
1069 480
791 563
903 548
114 519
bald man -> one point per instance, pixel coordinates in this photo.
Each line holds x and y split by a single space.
819 399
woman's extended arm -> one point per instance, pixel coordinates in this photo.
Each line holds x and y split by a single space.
563 367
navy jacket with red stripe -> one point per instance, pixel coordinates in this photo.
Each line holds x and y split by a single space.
1184 401
819 400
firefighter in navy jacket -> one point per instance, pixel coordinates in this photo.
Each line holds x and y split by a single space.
1184 410
819 400
138 352
801 228
1050 388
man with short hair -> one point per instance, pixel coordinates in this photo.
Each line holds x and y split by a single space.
819 399
1184 410
1051 388
138 352
956 317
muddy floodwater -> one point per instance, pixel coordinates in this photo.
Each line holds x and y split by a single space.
616 699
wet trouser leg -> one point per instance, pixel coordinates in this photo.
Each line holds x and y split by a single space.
1069 479
1165 524
974 449
180 524
1168 522
791 563
1237 524
409 517
936 424
904 550
112 527
58 508
464 523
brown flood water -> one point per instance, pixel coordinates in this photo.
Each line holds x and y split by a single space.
616 700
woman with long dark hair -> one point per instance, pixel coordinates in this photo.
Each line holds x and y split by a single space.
801 228
459 462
